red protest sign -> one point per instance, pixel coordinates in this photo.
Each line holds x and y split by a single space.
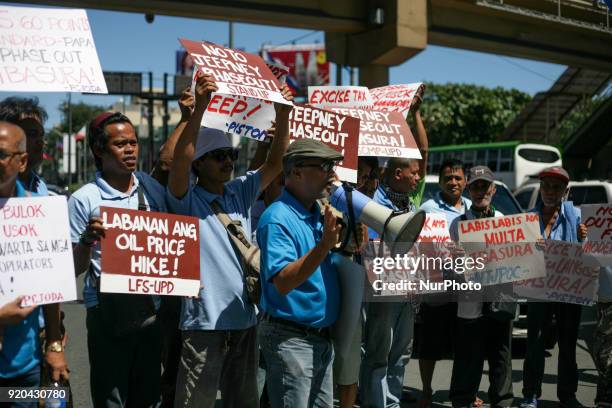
236 72
396 98
340 96
383 134
339 132
150 253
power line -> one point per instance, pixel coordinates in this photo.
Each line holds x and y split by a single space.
301 37
516 64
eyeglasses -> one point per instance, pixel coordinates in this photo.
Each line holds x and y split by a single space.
221 154
6 155
326 166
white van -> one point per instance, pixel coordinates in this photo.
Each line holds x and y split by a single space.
581 192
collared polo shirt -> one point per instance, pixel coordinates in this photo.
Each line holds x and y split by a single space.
437 205
223 302
20 347
287 231
561 229
86 202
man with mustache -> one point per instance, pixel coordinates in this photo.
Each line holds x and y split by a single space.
479 336
300 289
125 365
219 350
561 221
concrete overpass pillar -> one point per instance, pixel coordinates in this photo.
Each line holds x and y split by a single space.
373 76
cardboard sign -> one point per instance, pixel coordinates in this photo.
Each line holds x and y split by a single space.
396 98
236 72
339 97
36 251
239 115
598 220
150 253
432 243
279 70
507 245
48 50
572 276
337 131
383 134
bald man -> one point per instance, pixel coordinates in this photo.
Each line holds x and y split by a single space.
20 355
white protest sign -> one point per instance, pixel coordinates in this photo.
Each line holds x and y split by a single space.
240 115
506 244
339 96
396 98
432 243
383 134
572 276
36 251
48 50
598 220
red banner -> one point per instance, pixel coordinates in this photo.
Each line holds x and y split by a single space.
308 65
339 132
150 253
236 72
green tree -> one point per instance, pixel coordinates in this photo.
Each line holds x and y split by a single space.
463 113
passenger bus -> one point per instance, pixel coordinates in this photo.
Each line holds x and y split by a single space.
513 163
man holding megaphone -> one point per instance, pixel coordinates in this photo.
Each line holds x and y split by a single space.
300 289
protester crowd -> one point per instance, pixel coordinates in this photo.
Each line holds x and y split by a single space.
267 337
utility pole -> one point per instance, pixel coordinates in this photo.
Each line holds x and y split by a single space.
69 138
150 124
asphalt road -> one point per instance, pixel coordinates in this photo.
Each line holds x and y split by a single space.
76 353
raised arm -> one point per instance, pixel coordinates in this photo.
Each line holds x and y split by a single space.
162 166
274 165
178 179
296 273
421 137
261 153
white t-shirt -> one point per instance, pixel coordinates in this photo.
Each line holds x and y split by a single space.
467 309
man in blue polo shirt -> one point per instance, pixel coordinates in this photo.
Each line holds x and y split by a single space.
125 365
20 354
437 319
219 349
300 289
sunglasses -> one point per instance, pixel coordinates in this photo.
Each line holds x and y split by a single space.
221 154
6 155
326 166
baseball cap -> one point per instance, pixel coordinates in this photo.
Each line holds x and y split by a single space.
480 173
210 139
311 149
555 172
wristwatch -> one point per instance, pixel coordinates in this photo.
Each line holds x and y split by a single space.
55 346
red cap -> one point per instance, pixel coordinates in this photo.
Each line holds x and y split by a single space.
95 123
556 172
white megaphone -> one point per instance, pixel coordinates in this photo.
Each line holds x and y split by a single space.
398 230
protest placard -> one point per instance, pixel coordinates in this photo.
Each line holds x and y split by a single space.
337 131
339 97
506 244
279 70
236 72
598 220
572 276
433 244
150 253
36 251
383 134
396 98
48 50
247 117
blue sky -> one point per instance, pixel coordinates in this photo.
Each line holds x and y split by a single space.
125 42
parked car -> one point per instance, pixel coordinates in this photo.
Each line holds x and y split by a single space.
581 192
